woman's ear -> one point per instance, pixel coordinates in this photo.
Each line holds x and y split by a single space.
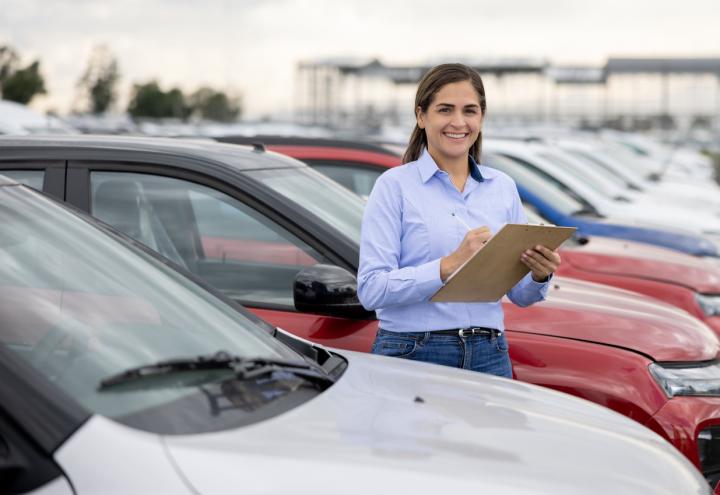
420 118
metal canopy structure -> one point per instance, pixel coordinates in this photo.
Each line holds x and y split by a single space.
663 66
355 92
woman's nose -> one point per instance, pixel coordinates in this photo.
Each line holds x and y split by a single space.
458 119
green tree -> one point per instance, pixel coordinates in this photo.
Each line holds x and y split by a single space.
19 84
23 84
215 105
98 82
149 100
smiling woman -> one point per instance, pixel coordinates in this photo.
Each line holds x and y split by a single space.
425 219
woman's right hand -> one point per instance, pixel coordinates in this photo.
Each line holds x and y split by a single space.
472 243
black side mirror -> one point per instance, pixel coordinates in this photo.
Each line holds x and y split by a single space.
329 290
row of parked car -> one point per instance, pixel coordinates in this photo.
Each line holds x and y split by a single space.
203 328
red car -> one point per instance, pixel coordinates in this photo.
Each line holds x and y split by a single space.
690 283
258 227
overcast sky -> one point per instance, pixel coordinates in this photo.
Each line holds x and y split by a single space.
252 46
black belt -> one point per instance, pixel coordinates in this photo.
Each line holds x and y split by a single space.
469 331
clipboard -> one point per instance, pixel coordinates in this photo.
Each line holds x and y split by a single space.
496 268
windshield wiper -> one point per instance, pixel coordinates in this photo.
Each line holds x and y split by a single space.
242 368
588 211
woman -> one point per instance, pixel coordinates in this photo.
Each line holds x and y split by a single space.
426 218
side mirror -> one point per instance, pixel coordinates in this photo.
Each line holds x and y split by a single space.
328 290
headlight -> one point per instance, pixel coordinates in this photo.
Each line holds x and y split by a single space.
710 304
688 380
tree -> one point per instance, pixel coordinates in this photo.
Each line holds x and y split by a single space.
99 80
215 105
19 85
22 85
149 100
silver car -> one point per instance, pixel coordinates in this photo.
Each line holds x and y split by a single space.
119 374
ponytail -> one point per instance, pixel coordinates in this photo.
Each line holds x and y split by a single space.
418 141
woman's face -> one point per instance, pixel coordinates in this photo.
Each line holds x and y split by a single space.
452 121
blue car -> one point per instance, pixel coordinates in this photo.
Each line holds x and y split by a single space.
562 206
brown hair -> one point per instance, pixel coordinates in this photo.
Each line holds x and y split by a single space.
429 85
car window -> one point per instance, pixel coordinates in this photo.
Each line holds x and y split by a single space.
231 246
360 180
31 178
331 203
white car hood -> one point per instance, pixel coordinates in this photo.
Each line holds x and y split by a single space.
655 215
392 424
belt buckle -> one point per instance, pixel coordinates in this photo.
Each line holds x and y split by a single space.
474 331
471 330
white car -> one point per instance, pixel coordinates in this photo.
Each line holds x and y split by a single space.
671 161
602 194
120 374
615 163
17 119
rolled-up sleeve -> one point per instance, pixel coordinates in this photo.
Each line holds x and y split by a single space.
381 282
527 291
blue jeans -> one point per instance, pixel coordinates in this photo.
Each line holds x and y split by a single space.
483 353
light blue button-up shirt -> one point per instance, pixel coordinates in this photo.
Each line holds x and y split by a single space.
412 220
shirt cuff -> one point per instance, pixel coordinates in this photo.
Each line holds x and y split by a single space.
427 277
541 286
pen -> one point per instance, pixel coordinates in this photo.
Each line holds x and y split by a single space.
461 221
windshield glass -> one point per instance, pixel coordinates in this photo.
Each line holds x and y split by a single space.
323 197
581 169
606 161
81 305
639 165
548 192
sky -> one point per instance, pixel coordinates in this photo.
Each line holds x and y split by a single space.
251 47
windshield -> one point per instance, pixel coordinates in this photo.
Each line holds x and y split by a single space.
607 162
639 165
323 197
549 192
81 305
598 181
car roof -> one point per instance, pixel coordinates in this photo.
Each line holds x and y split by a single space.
306 141
83 147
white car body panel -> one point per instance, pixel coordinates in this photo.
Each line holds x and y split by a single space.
106 457
369 434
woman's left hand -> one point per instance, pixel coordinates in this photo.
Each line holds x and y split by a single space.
542 262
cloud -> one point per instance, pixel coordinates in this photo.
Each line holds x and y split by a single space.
253 45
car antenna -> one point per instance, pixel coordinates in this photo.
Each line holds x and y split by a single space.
259 147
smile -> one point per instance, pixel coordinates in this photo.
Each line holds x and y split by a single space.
452 135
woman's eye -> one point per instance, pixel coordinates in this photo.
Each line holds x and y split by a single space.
471 111
444 110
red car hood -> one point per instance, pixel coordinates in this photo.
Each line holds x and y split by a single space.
597 313
634 259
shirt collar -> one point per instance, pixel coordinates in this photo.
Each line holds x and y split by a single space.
428 168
